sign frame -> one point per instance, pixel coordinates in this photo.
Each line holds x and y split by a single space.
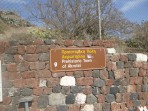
77 48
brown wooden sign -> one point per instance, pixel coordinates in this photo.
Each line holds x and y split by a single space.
70 59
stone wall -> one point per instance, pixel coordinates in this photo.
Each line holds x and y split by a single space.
121 86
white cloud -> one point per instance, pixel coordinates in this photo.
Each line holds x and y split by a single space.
16 1
131 4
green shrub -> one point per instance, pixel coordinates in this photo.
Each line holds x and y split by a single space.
3 27
47 33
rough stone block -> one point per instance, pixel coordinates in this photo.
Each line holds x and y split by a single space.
126 97
125 81
80 98
7 100
42 83
106 107
62 108
37 65
31 83
47 91
109 82
12 75
65 90
88 108
28 74
115 106
111 66
67 81
78 74
133 72
44 73
87 90
117 82
114 90
136 103
26 92
56 89
142 73
30 49
44 57
11 108
91 99
145 65
141 57
95 90
105 90
96 73
68 42
131 57
12 50
21 49
12 67
59 42
74 107
38 91
131 88
145 95
87 43
120 65
43 101
118 97
78 43
98 106
134 96
101 98
145 88
123 57
99 82
23 67
111 75
70 99
8 58
111 51
115 57
19 83
51 108
70 73
42 49
137 64
110 98
58 74
31 57
128 64
85 81
104 74
3 68
119 74
138 80
76 89
56 99
88 73
53 82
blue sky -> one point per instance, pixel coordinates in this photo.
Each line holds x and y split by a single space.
134 10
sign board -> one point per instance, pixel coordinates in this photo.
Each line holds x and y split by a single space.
1 96
71 59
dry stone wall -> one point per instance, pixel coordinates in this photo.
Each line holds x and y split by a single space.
121 86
